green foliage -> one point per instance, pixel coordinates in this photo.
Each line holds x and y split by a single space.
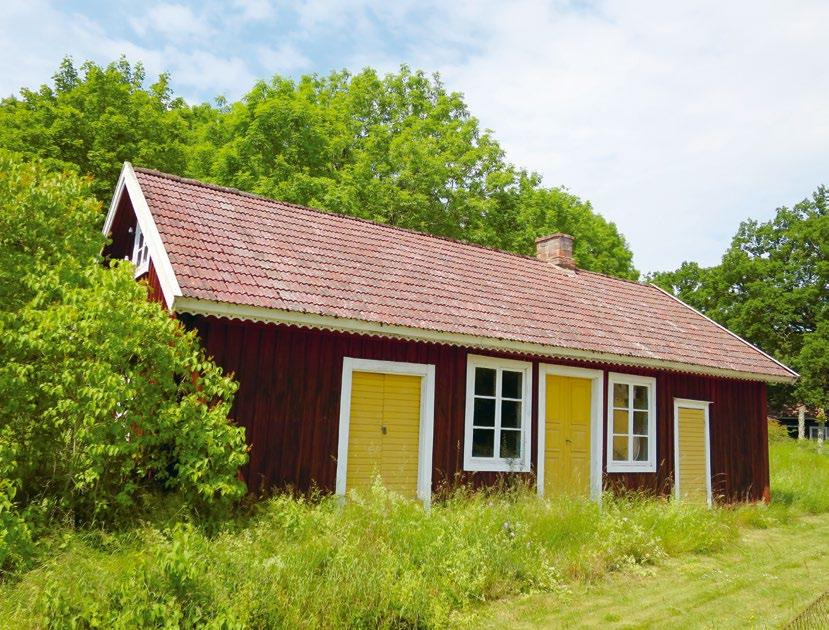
401 150
772 288
95 118
397 149
777 431
378 561
104 396
16 546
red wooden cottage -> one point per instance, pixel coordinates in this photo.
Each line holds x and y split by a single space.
363 349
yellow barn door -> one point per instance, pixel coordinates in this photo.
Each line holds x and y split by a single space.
567 435
384 431
691 464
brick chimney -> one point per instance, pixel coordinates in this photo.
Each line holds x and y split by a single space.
556 249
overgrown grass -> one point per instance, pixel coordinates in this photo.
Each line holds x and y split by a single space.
800 475
378 561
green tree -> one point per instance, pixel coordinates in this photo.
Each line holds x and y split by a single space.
105 398
94 118
398 149
599 246
772 288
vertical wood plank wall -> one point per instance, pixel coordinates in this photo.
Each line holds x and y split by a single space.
289 394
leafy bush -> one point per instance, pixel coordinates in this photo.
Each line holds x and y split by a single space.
104 396
15 533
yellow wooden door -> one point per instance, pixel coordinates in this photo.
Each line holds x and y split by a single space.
693 460
384 431
567 435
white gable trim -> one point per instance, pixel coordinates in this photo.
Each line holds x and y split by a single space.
197 306
158 255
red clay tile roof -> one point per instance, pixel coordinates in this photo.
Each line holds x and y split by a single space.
234 247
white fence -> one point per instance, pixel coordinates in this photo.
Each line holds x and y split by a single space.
819 432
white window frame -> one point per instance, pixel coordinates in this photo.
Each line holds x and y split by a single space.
705 406
427 417
498 464
648 466
140 254
596 378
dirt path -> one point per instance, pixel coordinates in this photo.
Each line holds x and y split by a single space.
760 583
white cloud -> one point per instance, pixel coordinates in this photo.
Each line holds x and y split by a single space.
284 59
677 120
28 61
206 72
175 22
255 10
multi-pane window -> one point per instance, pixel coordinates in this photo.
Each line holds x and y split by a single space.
140 252
497 414
631 423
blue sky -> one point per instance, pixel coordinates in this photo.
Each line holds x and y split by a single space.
676 120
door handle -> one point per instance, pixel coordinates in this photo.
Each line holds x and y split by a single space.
383 429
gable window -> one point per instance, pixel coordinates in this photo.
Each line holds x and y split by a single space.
140 252
631 423
497 431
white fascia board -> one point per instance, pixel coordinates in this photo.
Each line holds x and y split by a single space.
197 306
116 200
127 181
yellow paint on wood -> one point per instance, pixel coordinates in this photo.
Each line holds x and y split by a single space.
693 462
384 431
567 435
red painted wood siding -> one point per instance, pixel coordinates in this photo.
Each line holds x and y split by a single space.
289 396
154 291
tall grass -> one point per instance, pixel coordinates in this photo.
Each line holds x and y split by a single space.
378 560
800 475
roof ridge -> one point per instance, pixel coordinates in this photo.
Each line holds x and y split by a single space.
244 193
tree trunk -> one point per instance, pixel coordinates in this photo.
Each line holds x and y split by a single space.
820 431
801 423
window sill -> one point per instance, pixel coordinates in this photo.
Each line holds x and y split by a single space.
621 467
496 465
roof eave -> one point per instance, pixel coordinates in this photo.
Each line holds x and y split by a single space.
198 306
794 375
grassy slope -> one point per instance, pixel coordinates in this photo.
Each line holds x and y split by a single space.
760 583
380 562
377 562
